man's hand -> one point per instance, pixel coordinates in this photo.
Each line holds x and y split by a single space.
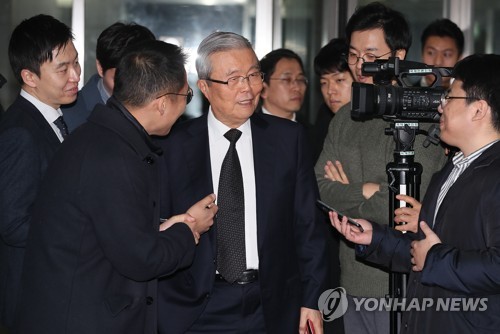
314 316
369 189
199 217
350 232
185 218
335 172
420 248
408 215
203 212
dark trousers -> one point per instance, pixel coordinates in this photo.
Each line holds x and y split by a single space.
232 308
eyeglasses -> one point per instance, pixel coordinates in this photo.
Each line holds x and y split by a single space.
254 78
445 98
189 95
289 81
352 58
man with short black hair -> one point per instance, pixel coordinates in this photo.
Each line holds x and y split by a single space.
96 247
111 45
45 63
453 260
442 46
351 170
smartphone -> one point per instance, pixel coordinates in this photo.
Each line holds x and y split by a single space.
310 327
325 207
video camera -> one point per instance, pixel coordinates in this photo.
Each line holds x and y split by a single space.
397 102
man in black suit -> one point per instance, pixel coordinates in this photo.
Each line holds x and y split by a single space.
45 63
281 270
455 255
96 247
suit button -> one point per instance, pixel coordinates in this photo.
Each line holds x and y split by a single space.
150 160
149 300
207 296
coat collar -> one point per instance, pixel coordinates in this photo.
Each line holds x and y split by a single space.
118 119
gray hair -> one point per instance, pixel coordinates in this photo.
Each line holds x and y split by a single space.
216 42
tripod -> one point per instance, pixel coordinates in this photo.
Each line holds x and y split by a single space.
404 178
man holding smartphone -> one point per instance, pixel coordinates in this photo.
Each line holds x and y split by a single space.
455 254
351 170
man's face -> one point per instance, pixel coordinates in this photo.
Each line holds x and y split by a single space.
232 106
336 89
367 42
58 80
440 52
454 121
284 94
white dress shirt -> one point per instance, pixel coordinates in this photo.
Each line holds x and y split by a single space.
50 114
218 149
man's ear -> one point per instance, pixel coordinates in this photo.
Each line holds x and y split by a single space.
263 93
29 78
98 65
203 86
401 54
482 109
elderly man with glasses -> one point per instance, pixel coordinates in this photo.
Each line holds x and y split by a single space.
260 268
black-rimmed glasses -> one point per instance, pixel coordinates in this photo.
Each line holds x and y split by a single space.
352 58
445 98
189 95
253 79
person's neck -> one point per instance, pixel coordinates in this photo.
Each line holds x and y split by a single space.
478 143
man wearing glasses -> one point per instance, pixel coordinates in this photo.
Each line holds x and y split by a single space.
96 247
351 169
284 84
453 259
260 268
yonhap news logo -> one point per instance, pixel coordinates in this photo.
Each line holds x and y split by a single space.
333 304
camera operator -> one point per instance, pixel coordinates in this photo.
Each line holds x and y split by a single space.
455 255
351 170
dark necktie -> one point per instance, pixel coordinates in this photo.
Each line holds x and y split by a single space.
61 124
231 260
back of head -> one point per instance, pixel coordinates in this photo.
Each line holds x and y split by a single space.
113 41
217 42
480 74
33 41
332 57
378 16
269 61
444 28
147 70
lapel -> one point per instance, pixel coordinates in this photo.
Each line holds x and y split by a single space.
32 112
264 155
484 160
196 150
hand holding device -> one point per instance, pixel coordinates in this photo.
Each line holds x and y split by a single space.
326 208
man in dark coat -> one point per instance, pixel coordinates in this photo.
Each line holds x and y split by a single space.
96 247
45 63
454 282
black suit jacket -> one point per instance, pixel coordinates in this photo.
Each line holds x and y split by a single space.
290 233
466 263
27 144
94 250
